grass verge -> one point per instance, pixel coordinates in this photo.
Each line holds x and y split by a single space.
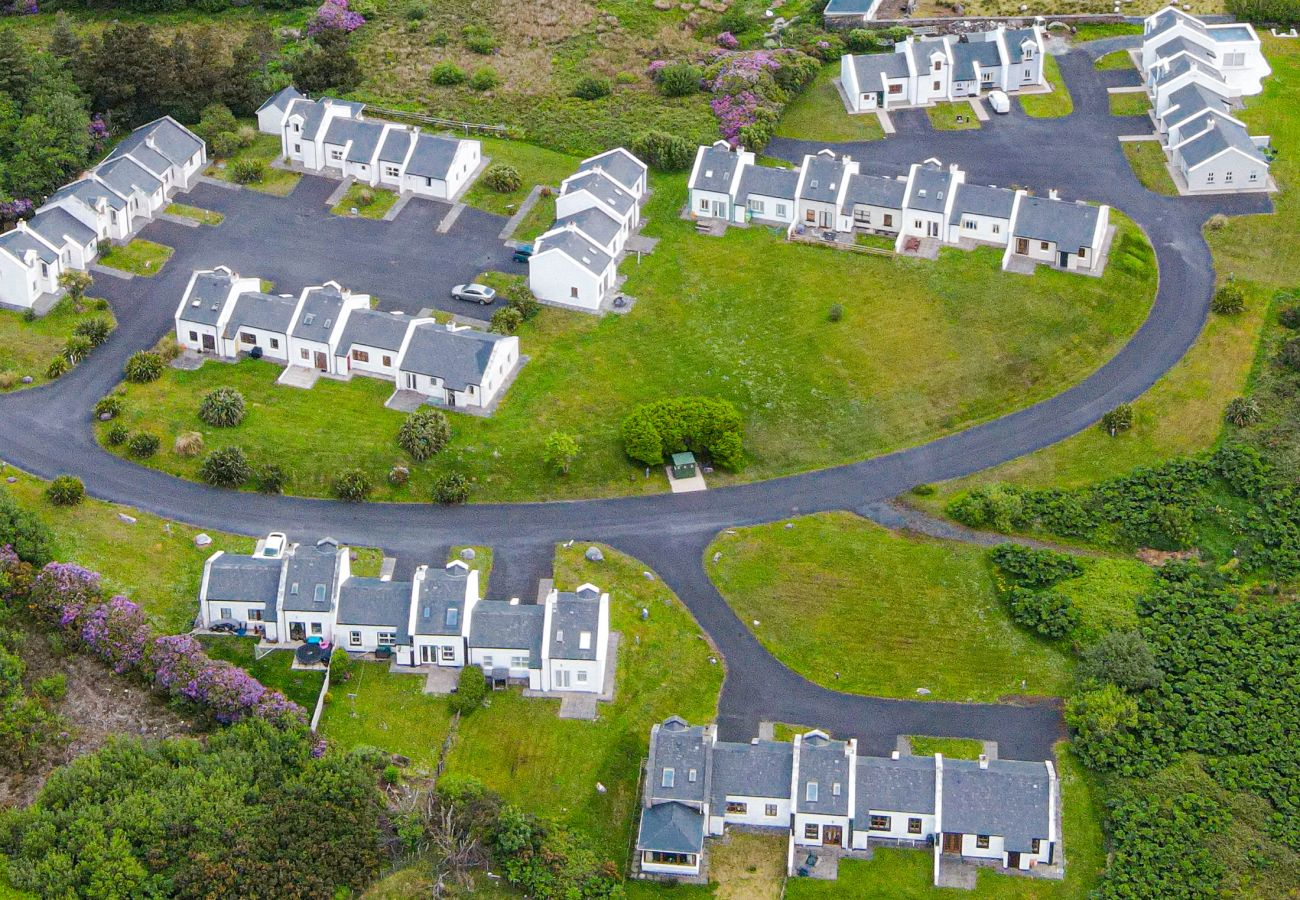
264 149
139 257
202 216
1116 59
952 117
951 748
535 165
370 203
26 348
1130 103
1050 105
819 115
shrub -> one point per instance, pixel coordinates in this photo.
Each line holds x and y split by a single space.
188 444
998 507
1228 300
447 74
451 488
1034 568
95 329
1118 419
1289 317
503 179
65 490
1050 614
365 197
143 366
479 40
168 348
506 320
485 78
592 87
76 348
399 475
248 171
1289 355
216 119
222 408
424 434
30 539
58 367
75 284
110 405
862 40
9 380
1100 721
625 78
836 312
559 452
417 12
654 431
226 467
271 479
471 688
1216 222
353 485
391 775
1285 13
116 435
664 152
143 444
225 144
1242 411
519 297
1120 657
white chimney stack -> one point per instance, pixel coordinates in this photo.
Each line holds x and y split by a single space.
984 761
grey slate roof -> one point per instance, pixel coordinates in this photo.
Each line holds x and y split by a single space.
364 137
265 312
249 579
1010 798
372 328
58 226
498 624
209 292
870 68
922 49
874 190
761 769
1068 225
1191 99
930 188
981 200
440 603
904 785
371 601
433 156
90 192
573 615
682 748
671 828
1015 37
576 247
17 243
313 114
603 188
766 181
320 312
174 142
281 99
1220 136
151 160
1168 18
625 167
126 177
716 169
966 54
594 222
822 760
1184 64
1182 44
459 358
822 178
396 145
310 569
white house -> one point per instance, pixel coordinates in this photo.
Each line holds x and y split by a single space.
371 343
823 183
305 124
442 606
456 366
165 149
896 800
76 243
1056 233
575 640
96 206
931 193
270 115
206 306
874 203
569 269
750 785
144 193
714 184
595 188
823 790
440 166
675 809
622 168
1001 810
505 640
372 614
1217 153
1233 49
318 325
258 324
29 268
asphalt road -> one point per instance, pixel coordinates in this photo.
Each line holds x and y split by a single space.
291 241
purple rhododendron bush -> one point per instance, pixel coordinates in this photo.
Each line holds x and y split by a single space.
750 88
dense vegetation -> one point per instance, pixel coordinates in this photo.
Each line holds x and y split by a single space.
1266 12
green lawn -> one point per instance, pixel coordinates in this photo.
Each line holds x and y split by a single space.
819 115
519 747
274 669
266 149
979 342
379 203
482 561
536 165
898 874
944 117
1105 30
1116 59
139 257
202 216
26 348
1048 106
889 613
539 219
952 748
1131 103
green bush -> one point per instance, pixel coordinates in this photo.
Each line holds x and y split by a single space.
506 320
365 197
654 431
1289 316
485 78
1118 419
503 179
1284 13
222 407
58 367
1034 568
76 348
353 485
1242 412
1050 614
451 488
1228 300
216 119
248 171
22 530
1289 355
224 145
1101 722
479 40
65 490
592 87
109 405
143 444
424 434
862 40
96 329
471 689
1121 658
226 467
116 435
519 297
559 451
836 312
271 479
447 74
143 366
392 775
678 80
417 12
663 152
998 507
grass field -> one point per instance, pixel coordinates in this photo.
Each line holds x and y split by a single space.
540 218
703 325
819 115
1048 106
139 257
1131 103
381 201
273 670
536 165
944 117
202 216
1116 59
1147 160
265 149
519 747
26 348
1106 30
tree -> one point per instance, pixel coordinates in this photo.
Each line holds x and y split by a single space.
664 152
75 283
1121 658
226 467
424 434
222 408
64 43
678 80
246 84
216 119
326 65
560 451
653 431
471 688
15 65
506 320
49 145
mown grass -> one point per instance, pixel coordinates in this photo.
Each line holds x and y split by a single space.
139 257
536 165
202 216
952 117
951 748
819 115
1051 105
979 342
1116 59
1130 103
274 670
264 149
1147 160
482 561
1106 30
539 219
376 207
26 348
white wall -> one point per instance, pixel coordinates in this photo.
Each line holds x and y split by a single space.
770 211
437 643
552 275
502 656
375 365
505 356
19 285
990 229
368 634
190 336
862 831
234 345
801 820
1230 171
325 620
755 813
670 870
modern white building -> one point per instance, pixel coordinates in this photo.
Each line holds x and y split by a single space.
455 365
1232 49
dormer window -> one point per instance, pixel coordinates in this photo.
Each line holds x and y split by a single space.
835 789
810 792
670 777
309 318
293 590
559 636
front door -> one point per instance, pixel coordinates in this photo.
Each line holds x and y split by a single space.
410 381
320 361
297 631
951 842
1013 859
832 835
825 219
1022 246
209 343
562 679
719 209
428 654
1064 259
932 229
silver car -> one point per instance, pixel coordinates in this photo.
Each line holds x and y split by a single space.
476 293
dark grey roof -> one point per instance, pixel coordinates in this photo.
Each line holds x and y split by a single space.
207 297
1183 64
922 49
981 200
931 185
248 579
761 769
364 137
265 312
459 358
576 247
433 156
1220 136
58 226
313 114
671 828
1181 45
870 67
766 181
440 603
397 143
167 137
822 178
90 192
150 160
310 577
717 166
823 761
682 748
904 785
625 167
594 222
320 313
281 99
1011 799
498 624
126 177
573 615
1167 18
1068 225
603 188
17 243
372 328
372 601
1015 38
966 54
874 190
1191 99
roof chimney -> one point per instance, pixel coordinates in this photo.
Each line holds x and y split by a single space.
984 761
1053 194
893 755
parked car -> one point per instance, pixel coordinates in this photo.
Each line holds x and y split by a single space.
523 253
476 293
1000 102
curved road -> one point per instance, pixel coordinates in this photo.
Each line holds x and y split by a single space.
47 430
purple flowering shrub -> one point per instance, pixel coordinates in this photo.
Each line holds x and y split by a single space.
224 691
13 210
98 130
750 88
20 8
334 15
61 593
728 41
117 633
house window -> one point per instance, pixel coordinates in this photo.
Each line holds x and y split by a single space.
781 212
982 841
582 679
487 661
770 810
519 662
388 360
255 615
669 859
704 204
756 207
360 355
226 613
986 77
810 793
1209 178
194 335
315 628
913 826
1042 245
447 652
880 823
305 354
296 127
336 155
246 338
1035 845
969 224
938 86
895 89
812 831
997 229
918 224
1254 176
736 808
584 640
889 221
354 638
573 292
863 216
1083 251
938 64
297 148
1227 176
1029 73
387 638
275 343
670 777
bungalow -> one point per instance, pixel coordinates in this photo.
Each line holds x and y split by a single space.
847 13
569 269
259 324
981 213
318 324
143 192
506 639
1053 232
1188 101
372 343
874 203
167 150
622 167
29 268
95 205
575 640
767 194
1219 156
876 80
1233 48
350 147
76 243
714 181
456 366
1001 810
440 166
750 785
205 308
1167 76
823 790
270 115
443 605
895 800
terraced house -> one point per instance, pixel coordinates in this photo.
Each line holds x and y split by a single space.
829 800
